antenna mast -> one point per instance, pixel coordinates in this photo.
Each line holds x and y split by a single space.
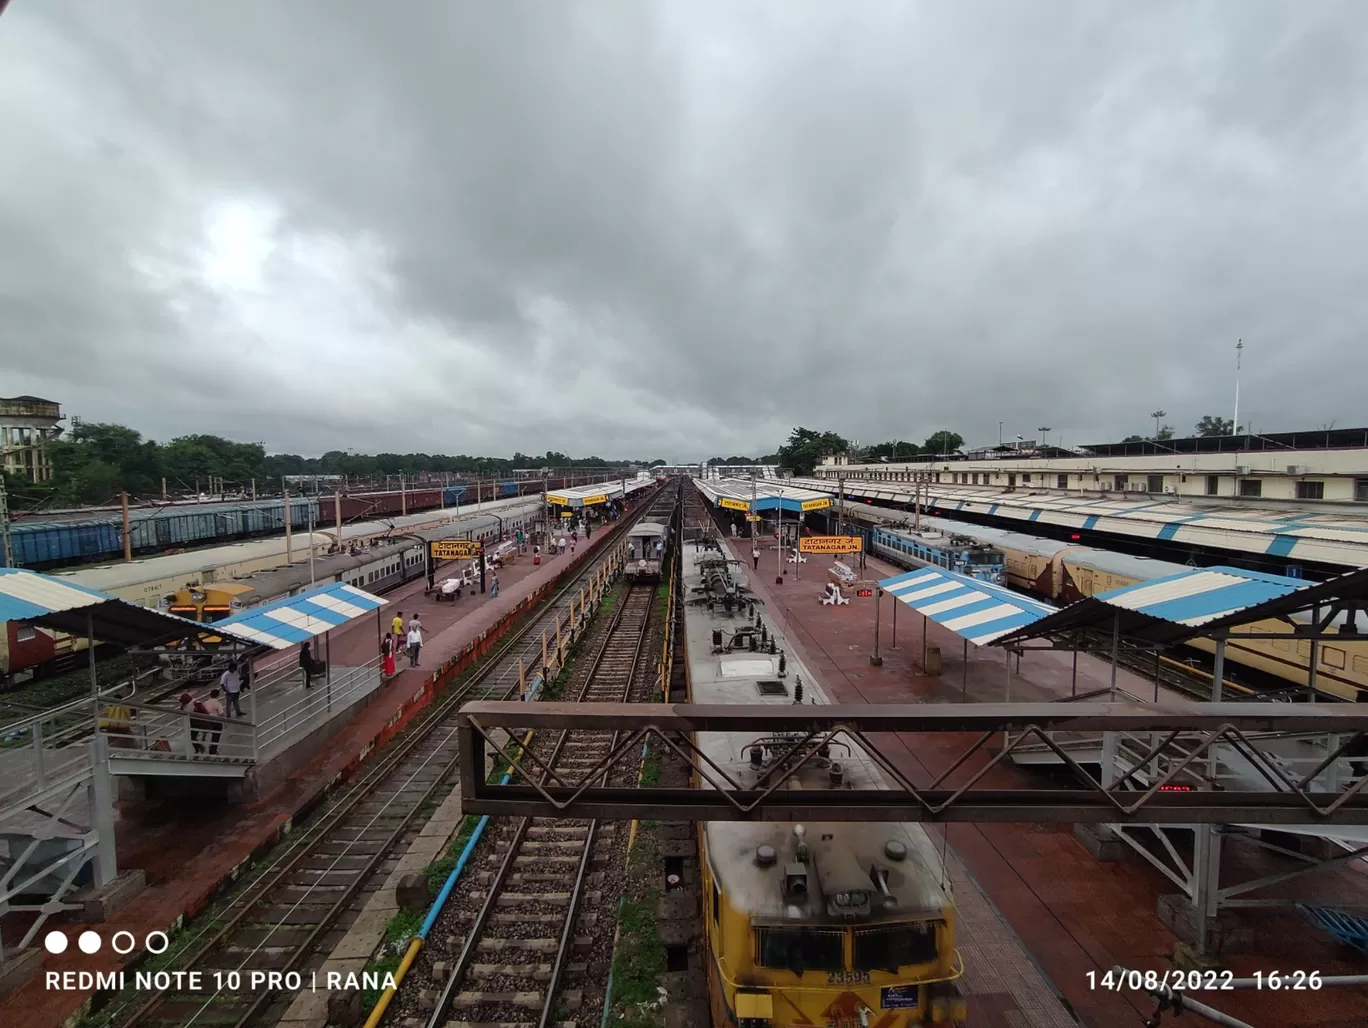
1235 424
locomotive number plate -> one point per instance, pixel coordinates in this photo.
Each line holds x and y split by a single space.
847 977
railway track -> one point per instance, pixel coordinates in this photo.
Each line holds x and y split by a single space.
521 960
293 911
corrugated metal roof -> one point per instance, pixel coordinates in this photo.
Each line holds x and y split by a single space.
55 603
762 494
575 497
978 611
27 595
298 619
1196 597
1199 602
1322 537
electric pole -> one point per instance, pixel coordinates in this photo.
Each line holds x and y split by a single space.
4 508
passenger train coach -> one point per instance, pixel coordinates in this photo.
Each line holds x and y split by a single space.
942 547
836 924
1065 572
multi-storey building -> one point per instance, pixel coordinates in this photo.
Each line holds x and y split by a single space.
28 426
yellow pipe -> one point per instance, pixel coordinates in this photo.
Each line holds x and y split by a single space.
415 944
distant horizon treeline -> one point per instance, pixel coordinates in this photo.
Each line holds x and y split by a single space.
98 461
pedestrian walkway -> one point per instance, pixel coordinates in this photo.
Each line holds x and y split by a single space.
1072 913
188 850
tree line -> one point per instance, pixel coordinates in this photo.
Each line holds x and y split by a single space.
96 462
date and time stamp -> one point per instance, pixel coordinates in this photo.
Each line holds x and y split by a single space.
1119 980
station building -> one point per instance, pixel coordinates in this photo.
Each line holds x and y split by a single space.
1312 468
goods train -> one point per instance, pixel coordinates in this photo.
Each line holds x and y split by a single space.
844 924
80 537
25 648
1066 572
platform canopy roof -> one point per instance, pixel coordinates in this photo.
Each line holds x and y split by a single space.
1210 601
754 495
602 492
291 621
978 611
59 604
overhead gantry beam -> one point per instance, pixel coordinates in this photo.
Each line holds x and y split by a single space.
1180 746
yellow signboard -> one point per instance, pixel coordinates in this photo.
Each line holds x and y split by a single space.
754 517
589 501
731 504
558 500
454 549
831 544
815 504
567 513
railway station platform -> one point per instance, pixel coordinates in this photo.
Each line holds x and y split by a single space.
190 851
1062 911
574 497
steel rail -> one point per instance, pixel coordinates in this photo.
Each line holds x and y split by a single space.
371 780
468 950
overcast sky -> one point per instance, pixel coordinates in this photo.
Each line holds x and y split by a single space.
675 229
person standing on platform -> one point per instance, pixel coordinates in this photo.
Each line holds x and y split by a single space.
415 643
306 663
231 683
494 587
432 575
397 626
755 557
214 708
387 655
415 625
572 543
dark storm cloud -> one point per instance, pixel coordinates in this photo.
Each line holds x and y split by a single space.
680 229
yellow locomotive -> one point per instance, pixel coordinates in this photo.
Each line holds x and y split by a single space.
840 925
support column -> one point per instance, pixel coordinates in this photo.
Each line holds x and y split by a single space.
1116 651
877 660
337 517
128 534
289 555
106 863
964 688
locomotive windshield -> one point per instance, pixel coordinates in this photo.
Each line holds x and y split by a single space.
895 946
799 949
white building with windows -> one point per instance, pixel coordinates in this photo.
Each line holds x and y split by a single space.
1314 468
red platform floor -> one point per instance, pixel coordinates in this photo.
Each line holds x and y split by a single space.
1073 913
188 850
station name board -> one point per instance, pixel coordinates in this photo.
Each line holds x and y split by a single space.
731 504
454 549
553 498
816 504
589 501
831 544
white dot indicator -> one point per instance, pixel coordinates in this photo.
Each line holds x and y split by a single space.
55 942
89 942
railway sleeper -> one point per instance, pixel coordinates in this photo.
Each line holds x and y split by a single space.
533 918
535 972
541 831
571 845
506 1024
530 945
523 1000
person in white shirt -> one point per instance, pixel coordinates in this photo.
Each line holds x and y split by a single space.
231 683
415 625
415 642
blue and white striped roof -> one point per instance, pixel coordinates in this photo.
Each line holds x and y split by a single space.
291 621
1199 596
979 611
60 604
27 595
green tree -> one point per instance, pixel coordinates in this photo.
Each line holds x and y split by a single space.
1134 439
1214 425
1165 433
894 449
943 441
806 447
